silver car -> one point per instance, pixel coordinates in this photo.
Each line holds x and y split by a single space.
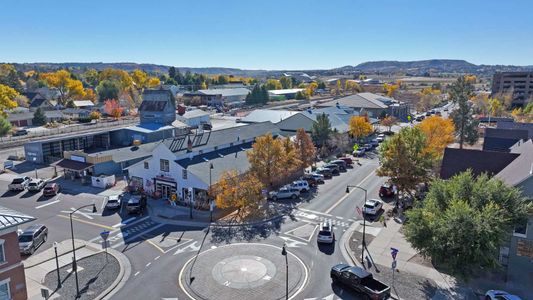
284 193
113 201
36 185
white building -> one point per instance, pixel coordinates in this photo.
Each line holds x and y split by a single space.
194 117
229 97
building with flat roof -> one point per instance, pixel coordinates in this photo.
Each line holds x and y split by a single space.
287 93
228 97
519 84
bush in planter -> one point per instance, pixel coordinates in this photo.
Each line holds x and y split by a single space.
84 119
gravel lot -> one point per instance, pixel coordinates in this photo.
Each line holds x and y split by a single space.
96 276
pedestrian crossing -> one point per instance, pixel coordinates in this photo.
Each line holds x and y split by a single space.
318 217
129 232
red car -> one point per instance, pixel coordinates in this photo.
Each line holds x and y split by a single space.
51 189
386 190
347 160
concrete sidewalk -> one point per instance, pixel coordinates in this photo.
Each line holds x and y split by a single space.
37 266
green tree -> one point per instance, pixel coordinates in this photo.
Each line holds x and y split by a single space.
301 95
91 77
321 130
222 79
5 126
264 95
465 124
107 89
273 84
172 73
286 82
403 159
39 118
463 221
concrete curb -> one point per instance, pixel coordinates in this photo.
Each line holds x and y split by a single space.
349 256
122 278
52 258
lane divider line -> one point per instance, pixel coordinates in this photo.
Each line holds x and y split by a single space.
346 196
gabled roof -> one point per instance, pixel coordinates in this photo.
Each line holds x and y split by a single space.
194 113
521 168
83 103
37 102
11 218
267 115
361 100
456 161
517 125
502 139
148 105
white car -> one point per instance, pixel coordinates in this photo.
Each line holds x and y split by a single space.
284 193
36 185
326 234
500 295
380 138
301 185
372 206
113 201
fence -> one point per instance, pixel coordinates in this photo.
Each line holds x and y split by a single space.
14 141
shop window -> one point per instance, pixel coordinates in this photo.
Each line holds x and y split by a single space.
521 229
2 252
5 293
164 165
184 173
146 166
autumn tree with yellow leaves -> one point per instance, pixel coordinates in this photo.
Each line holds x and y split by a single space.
266 159
439 133
240 191
360 127
7 98
68 87
388 122
305 148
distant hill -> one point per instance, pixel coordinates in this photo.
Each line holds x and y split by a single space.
417 68
432 66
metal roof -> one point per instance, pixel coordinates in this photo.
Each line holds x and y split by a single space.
268 115
81 103
226 92
11 218
285 91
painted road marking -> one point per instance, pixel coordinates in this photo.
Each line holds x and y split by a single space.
292 243
87 222
314 211
136 273
310 232
49 203
189 248
156 246
346 196
138 235
148 264
125 222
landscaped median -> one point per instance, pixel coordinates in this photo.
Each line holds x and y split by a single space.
100 274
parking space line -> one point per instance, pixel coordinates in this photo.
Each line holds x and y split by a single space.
46 204
88 222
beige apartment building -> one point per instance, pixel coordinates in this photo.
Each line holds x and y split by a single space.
519 83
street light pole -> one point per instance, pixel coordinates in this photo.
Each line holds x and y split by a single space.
284 253
57 266
364 219
74 263
209 194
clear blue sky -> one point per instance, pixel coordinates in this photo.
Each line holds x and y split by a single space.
288 34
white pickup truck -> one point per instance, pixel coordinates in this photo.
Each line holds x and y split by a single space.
19 184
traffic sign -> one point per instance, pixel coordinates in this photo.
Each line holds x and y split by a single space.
104 234
359 211
393 253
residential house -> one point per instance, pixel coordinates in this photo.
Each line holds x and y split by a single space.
12 277
36 100
83 104
25 118
376 106
517 125
502 139
76 113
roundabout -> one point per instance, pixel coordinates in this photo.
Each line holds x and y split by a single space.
242 271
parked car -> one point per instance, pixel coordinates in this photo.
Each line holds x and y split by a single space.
301 185
341 163
438 113
368 147
386 190
372 206
326 234
31 238
360 280
500 295
113 201
359 152
19 184
318 177
20 132
134 205
428 113
348 161
326 172
335 169
446 109
51 189
380 138
36 185
311 180
374 142
284 193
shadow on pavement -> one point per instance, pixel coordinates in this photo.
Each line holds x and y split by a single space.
248 233
344 292
327 249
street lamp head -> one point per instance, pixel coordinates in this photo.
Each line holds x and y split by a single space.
211 166
347 190
284 250
55 244
94 208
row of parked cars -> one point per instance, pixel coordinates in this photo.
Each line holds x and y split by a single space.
34 185
372 144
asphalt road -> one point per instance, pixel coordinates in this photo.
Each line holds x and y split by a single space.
158 252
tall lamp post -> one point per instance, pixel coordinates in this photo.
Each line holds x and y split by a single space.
209 193
284 253
74 263
364 219
57 266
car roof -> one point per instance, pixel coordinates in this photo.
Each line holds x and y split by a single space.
372 201
113 197
359 272
51 184
32 228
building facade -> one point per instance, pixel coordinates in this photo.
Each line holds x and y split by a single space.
520 84
158 107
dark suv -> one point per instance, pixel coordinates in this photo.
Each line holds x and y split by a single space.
31 238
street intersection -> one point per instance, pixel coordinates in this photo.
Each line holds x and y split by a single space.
161 254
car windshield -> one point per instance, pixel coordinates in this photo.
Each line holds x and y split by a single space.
324 233
25 238
369 205
18 180
112 201
32 184
48 188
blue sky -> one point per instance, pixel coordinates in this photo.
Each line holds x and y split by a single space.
289 34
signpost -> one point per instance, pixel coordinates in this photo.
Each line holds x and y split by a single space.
104 235
393 253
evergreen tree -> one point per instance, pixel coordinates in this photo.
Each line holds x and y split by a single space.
39 117
321 130
264 95
172 73
465 124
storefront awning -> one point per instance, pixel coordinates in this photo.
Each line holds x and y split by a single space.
73 165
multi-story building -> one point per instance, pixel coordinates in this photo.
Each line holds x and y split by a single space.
520 84
12 277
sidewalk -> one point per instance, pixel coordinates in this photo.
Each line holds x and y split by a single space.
39 265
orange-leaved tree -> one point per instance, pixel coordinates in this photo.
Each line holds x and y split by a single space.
360 127
439 133
241 191
266 159
291 161
304 148
113 108
388 122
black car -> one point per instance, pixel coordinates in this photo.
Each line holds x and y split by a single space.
327 172
360 280
20 132
335 170
341 163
